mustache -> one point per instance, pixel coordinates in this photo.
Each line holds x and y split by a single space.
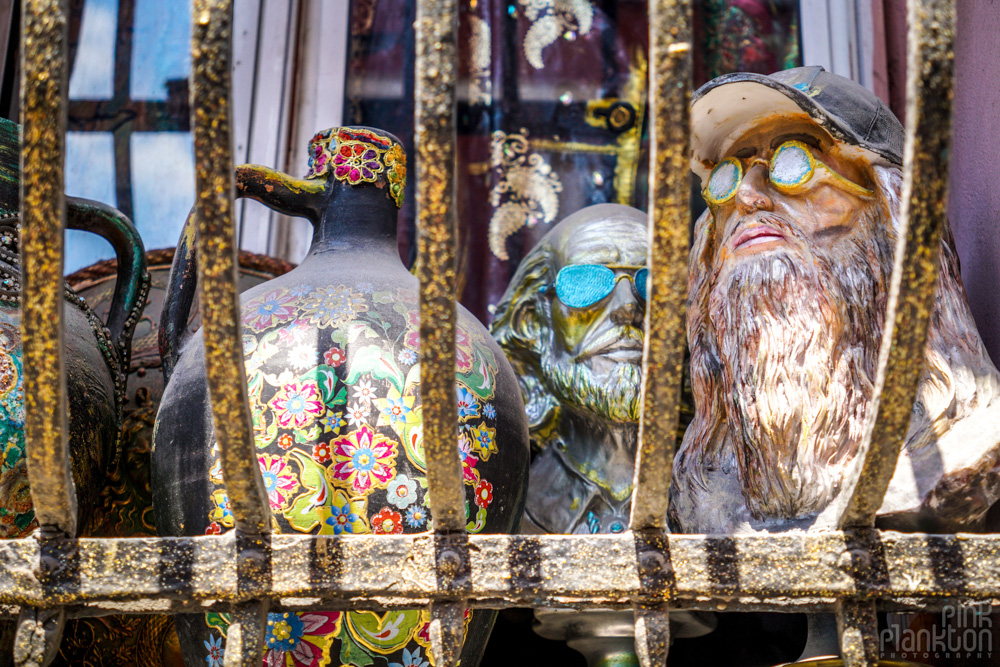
616 337
779 223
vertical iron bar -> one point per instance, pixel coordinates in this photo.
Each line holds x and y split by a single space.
211 68
434 133
436 65
929 86
43 217
211 86
670 216
245 638
858 627
652 635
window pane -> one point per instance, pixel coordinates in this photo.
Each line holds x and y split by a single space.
93 69
162 185
161 46
90 173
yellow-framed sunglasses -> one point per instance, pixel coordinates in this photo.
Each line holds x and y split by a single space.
792 166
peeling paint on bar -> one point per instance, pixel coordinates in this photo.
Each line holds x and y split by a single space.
788 571
434 134
211 76
670 214
43 218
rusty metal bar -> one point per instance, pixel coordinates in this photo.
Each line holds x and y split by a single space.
929 85
858 628
436 67
43 218
434 133
670 215
245 643
211 77
792 572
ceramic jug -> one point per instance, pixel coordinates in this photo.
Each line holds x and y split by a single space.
331 352
97 352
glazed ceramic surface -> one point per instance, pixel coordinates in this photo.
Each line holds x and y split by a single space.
332 357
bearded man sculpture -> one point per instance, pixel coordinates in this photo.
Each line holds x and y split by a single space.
571 325
789 279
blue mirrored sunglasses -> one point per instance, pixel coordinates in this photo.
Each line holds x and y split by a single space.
583 285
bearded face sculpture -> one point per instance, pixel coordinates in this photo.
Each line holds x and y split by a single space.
789 279
571 325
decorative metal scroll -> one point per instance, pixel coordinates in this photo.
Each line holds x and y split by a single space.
854 572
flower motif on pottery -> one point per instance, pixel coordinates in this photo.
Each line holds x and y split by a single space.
216 651
332 306
358 413
221 512
489 411
387 522
411 660
363 391
484 441
401 492
362 460
213 529
335 356
297 404
407 357
346 515
285 442
280 480
394 408
484 494
357 162
300 639
468 406
332 422
321 452
302 356
269 310
416 516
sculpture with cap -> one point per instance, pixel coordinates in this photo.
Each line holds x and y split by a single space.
789 280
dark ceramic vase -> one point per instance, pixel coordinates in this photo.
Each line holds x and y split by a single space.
97 353
125 507
331 351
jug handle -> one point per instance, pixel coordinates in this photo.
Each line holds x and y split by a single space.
298 197
132 284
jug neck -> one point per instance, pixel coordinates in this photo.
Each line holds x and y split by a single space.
356 220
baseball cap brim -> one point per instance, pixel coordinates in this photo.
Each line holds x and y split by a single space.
726 108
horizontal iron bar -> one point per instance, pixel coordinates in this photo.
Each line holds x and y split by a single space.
515 570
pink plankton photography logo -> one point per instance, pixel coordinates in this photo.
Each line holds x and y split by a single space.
958 631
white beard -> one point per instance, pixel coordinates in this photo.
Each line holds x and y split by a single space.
798 336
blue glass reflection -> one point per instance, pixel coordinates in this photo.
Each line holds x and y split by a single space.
93 68
162 185
161 46
90 173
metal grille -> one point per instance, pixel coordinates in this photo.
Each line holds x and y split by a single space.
854 571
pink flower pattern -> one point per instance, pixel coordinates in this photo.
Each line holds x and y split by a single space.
363 459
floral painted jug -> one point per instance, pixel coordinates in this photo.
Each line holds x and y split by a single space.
331 352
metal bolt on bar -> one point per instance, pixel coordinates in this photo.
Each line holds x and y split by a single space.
211 80
434 132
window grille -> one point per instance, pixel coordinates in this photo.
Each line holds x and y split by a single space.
853 571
